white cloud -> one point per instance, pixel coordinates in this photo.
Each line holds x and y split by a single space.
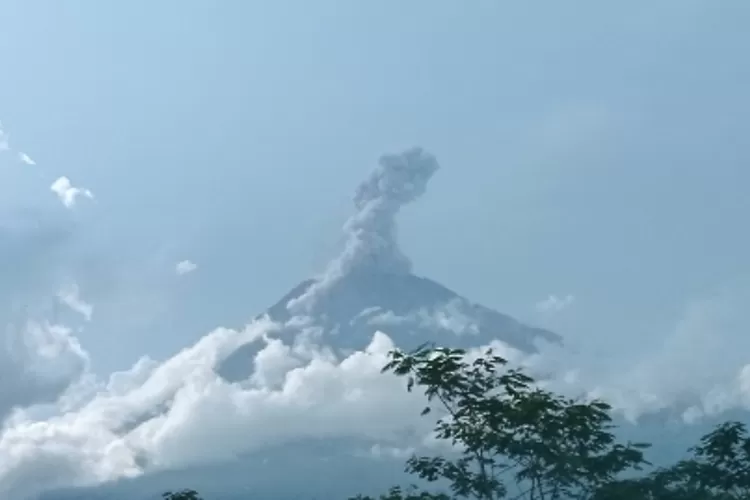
185 267
698 367
699 363
382 451
451 316
67 193
24 158
296 392
4 141
553 303
42 360
70 296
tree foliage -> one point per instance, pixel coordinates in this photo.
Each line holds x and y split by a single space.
719 469
515 440
181 495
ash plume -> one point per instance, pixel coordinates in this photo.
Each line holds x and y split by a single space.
371 233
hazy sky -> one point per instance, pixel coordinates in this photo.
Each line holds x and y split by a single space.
170 167
591 151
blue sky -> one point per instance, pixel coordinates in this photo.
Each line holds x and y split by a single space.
589 149
594 178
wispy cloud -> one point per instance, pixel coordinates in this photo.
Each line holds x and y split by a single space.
4 142
554 303
185 266
24 158
452 316
71 297
67 193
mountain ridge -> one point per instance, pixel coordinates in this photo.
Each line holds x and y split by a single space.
411 309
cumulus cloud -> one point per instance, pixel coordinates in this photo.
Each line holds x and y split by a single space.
553 303
180 412
185 267
24 158
67 193
371 240
71 297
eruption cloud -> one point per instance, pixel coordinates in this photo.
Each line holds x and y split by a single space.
371 233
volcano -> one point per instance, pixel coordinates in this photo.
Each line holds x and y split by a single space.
370 286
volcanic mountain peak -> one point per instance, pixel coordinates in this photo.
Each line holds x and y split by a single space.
411 309
369 287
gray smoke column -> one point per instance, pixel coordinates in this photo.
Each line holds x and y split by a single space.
371 236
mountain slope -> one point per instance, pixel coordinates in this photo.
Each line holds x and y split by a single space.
370 286
412 310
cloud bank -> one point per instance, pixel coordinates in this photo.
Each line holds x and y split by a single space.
180 413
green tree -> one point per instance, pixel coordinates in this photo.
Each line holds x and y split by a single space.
182 495
719 469
513 439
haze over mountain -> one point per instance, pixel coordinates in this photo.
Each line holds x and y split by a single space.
370 287
169 172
